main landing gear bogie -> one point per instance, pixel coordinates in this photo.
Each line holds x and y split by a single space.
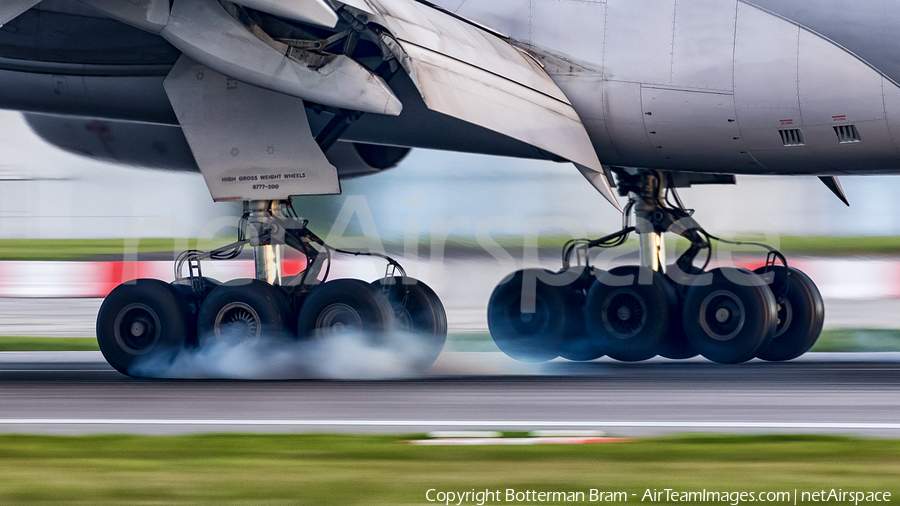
728 315
149 318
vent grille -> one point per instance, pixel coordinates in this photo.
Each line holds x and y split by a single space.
792 137
847 134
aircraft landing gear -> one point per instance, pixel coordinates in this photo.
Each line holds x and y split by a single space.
632 313
149 318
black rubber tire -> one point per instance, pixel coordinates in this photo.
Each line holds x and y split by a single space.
745 303
801 315
629 318
676 345
247 311
531 336
577 345
157 308
418 310
348 303
193 302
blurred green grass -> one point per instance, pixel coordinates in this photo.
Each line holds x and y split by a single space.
356 470
859 340
88 249
28 343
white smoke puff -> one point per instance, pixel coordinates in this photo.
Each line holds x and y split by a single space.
348 355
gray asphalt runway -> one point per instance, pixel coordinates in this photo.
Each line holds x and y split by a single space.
76 392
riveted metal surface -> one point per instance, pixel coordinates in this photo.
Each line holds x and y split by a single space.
693 130
765 74
639 40
577 26
834 85
704 44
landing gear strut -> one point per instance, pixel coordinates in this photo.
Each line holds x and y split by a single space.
147 317
632 313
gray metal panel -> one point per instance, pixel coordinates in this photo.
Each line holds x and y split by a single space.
704 44
585 91
574 27
150 15
694 130
126 142
511 17
10 9
868 28
128 98
625 126
834 85
205 31
892 110
765 71
823 154
316 12
639 40
876 152
435 31
483 98
250 143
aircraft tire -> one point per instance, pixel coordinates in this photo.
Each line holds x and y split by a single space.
345 304
628 310
530 336
578 345
676 345
142 319
245 311
800 315
731 316
419 311
193 302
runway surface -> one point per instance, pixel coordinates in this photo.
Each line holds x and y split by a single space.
835 393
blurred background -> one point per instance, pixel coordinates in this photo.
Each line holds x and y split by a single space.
440 212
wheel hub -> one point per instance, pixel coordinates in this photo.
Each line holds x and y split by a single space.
785 317
238 321
722 315
624 314
137 329
339 317
529 324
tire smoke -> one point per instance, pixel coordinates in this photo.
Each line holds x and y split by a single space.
344 355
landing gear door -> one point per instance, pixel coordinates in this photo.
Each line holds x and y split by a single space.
250 143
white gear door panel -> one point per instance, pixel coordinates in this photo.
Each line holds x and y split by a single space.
250 143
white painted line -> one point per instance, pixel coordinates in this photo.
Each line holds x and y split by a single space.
456 423
567 433
519 441
461 434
